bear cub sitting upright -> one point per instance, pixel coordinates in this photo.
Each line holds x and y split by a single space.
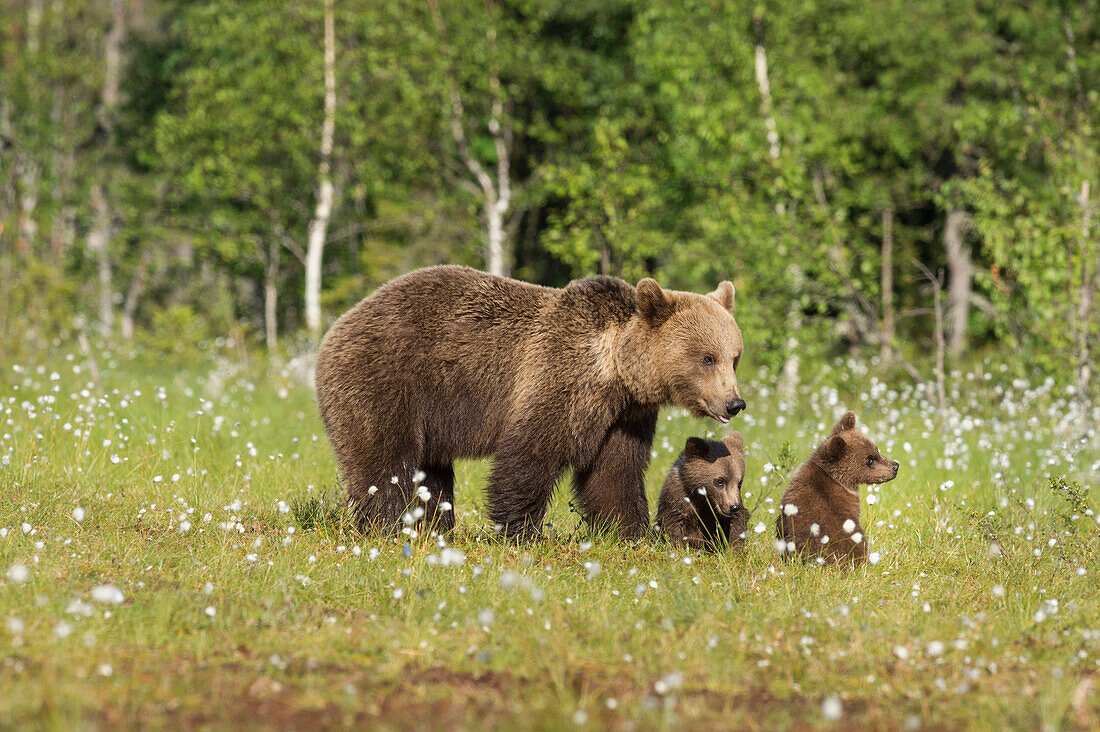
700 503
819 512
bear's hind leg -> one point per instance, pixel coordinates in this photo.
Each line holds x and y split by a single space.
380 493
439 511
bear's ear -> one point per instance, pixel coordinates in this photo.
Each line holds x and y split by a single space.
833 449
696 448
724 295
734 442
847 422
654 304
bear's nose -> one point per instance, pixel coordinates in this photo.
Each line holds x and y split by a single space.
734 406
896 466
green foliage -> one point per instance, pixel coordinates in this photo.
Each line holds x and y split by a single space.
640 144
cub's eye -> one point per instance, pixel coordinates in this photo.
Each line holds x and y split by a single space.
719 482
736 361
708 360
870 460
740 482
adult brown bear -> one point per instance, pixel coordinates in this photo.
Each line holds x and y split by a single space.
448 362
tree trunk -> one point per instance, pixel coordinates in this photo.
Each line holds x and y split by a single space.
494 254
1086 291
319 225
760 61
961 273
98 243
271 295
887 282
496 195
129 305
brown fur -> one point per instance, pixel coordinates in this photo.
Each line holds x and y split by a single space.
448 362
825 492
715 518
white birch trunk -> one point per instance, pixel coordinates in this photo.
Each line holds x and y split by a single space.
961 274
760 62
496 195
1082 322
271 296
98 243
886 283
325 192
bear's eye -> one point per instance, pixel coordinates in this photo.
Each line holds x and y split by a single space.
870 460
736 361
719 482
708 360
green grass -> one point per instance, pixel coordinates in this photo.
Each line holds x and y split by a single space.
281 614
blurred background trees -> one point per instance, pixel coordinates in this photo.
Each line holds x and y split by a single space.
176 170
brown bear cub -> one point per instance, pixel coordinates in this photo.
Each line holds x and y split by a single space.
819 512
700 503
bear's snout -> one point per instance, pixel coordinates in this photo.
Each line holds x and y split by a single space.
733 406
896 466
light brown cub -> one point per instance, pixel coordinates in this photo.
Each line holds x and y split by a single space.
819 513
700 503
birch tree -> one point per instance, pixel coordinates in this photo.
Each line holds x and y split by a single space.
325 192
491 182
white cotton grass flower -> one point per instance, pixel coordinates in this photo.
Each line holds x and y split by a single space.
108 594
372 490
832 709
419 476
62 630
669 682
760 528
78 514
935 648
790 509
849 526
15 625
781 546
445 506
874 558
451 557
18 573
592 569
872 499
283 507
211 611
901 652
857 537
815 530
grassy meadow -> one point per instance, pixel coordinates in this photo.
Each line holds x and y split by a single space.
174 551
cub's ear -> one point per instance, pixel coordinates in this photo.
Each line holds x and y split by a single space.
724 295
847 422
734 442
696 448
833 449
654 304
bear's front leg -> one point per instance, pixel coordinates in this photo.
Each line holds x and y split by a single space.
525 469
610 491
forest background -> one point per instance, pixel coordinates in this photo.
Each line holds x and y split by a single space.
886 177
